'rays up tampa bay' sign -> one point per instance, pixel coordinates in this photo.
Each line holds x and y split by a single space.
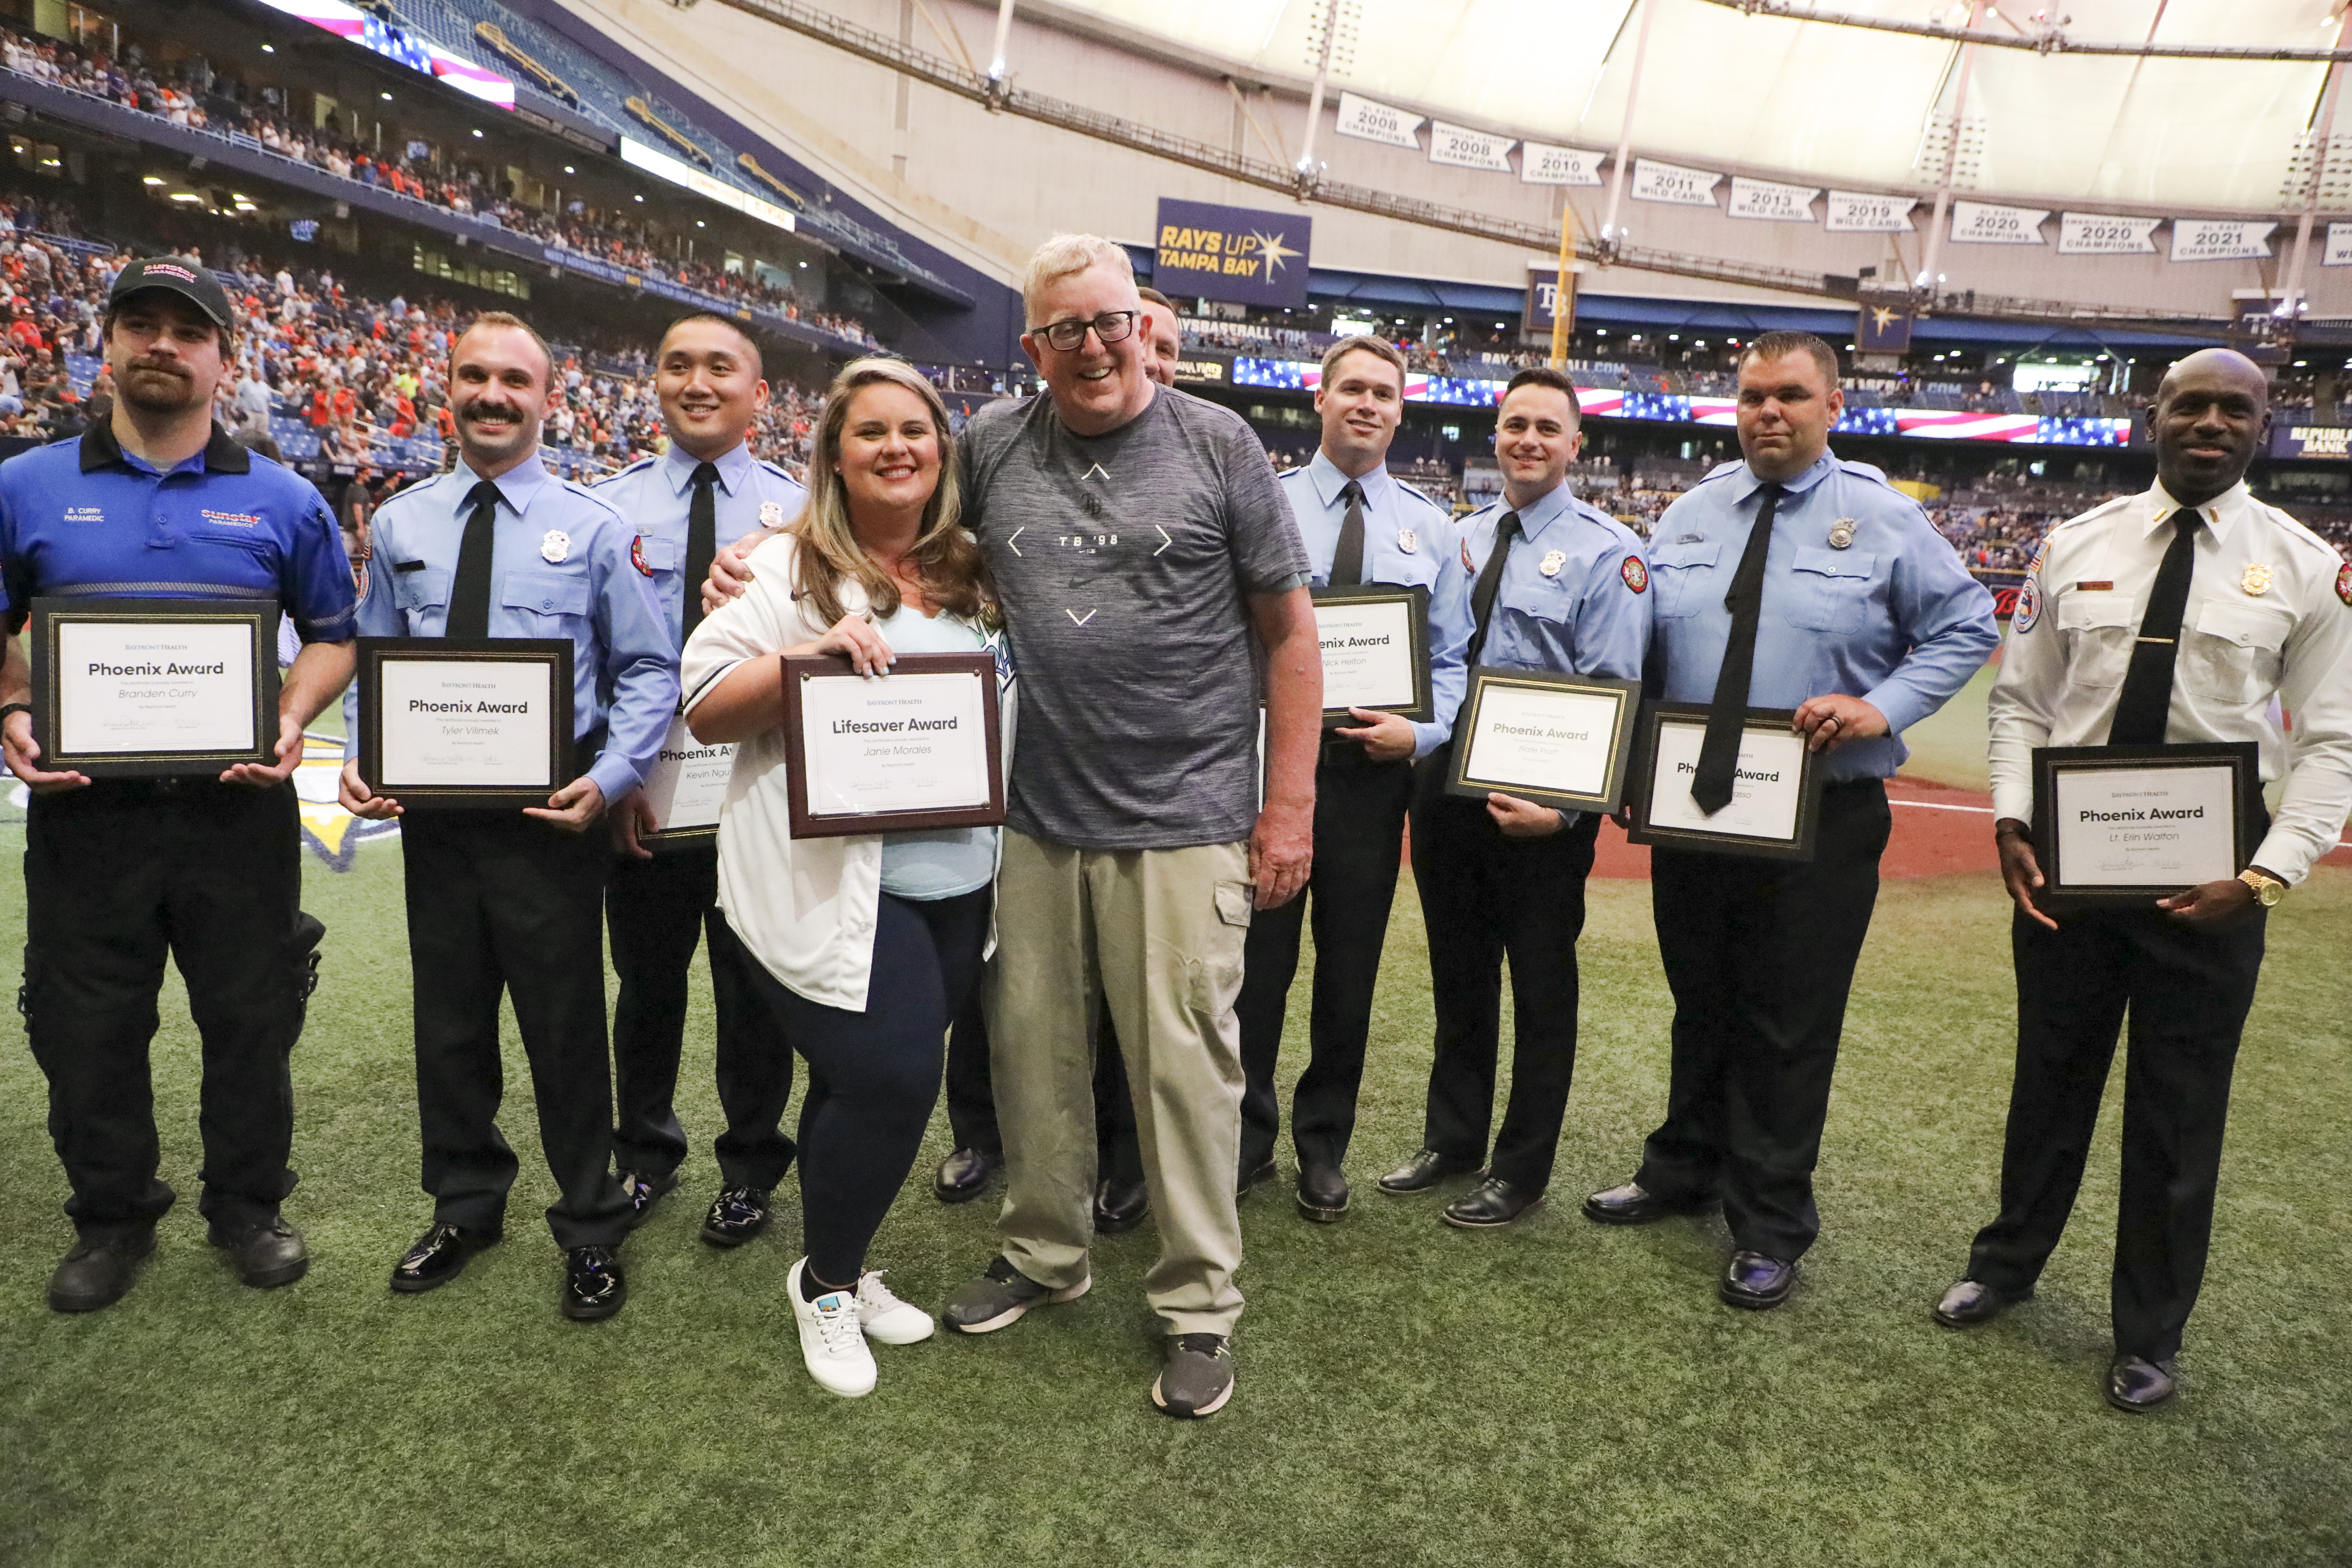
1240 253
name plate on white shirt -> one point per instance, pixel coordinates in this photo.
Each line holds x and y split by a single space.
466 721
1375 642
2128 824
1776 791
1561 740
913 751
125 688
685 788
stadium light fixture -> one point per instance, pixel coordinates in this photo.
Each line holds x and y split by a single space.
153 180
269 48
385 96
477 132
570 170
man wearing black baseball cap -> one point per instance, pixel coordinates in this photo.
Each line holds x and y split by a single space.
200 869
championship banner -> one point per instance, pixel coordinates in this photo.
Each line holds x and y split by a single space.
1466 149
1243 254
1544 166
2339 246
1774 203
1550 293
1979 223
1854 212
1361 117
2221 239
2097 233
1656 182
1884 329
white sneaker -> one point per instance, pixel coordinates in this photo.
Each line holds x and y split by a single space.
832 1342
888 1320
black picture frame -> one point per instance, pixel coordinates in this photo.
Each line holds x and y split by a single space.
806 824
1655 716
2242 759
1423 708
1462 779
53 616
375 653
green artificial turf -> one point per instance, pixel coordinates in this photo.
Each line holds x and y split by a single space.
1556 1394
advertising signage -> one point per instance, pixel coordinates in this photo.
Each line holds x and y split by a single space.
1241 254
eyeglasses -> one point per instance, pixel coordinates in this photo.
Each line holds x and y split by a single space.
1108 327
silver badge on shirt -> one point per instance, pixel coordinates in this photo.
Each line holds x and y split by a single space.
1407 540
1841 534
1552 562
555 546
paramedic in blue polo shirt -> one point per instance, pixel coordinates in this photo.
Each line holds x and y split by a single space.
707 488
159 502
506 900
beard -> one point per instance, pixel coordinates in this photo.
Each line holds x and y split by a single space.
153 390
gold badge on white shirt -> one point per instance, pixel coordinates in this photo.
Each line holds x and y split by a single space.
555 546
2255 579
1841 534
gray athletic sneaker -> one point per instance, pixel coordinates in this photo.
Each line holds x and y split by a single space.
1001 1295
1197 1378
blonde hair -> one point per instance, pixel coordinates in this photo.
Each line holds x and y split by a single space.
1066 254
945 559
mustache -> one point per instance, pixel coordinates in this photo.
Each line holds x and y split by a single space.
161 366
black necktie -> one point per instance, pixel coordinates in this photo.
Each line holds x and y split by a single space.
2146 700
1490 582
1347 559
1727 716
701 541
469 597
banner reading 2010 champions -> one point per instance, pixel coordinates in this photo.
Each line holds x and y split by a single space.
1240 253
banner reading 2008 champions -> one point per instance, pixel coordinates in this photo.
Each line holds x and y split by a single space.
1240 253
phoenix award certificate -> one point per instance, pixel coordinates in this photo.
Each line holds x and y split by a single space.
154 686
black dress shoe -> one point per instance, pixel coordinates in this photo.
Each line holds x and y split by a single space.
439 1256
1634 1204
644 1192
2139 1384
736 1215
1757 1282
267 1255
1252 1175
1322 1194
1972 1301
1492 1201
95 1274
1120 1205
1422 1172
962 1175
594 1285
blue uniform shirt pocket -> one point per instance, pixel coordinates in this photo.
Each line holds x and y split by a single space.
417 591
659 554
1831 589
550 595
1677 569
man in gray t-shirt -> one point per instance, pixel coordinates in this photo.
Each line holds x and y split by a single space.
1122 561
1137 538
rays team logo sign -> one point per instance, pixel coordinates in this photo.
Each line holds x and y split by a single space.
1241 254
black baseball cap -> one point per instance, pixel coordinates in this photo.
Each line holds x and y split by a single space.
184 277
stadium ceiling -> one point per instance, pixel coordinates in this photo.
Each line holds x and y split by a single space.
2182 102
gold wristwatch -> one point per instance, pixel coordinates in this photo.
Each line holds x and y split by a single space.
2268 890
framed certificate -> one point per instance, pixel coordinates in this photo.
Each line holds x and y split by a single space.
1375 651
1561 740
1776 800
2128 825
685 787
466 721
915 749
132 688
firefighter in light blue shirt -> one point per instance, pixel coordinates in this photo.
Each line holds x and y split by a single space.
1860 618
1550 584
500 900
659 905
1360 526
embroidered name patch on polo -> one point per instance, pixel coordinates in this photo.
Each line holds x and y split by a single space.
230 519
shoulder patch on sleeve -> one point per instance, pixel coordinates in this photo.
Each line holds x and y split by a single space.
1637 575
2029 604
2344 584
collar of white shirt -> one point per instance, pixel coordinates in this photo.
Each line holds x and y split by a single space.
2220 514
734 468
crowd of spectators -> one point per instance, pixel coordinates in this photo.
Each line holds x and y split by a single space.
192 94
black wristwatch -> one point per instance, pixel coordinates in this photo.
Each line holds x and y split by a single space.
8 708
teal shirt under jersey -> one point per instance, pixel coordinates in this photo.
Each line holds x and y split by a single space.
952 861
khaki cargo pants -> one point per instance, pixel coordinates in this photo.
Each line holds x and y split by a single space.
1157 933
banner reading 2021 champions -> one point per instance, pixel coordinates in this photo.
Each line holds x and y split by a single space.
1241 254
